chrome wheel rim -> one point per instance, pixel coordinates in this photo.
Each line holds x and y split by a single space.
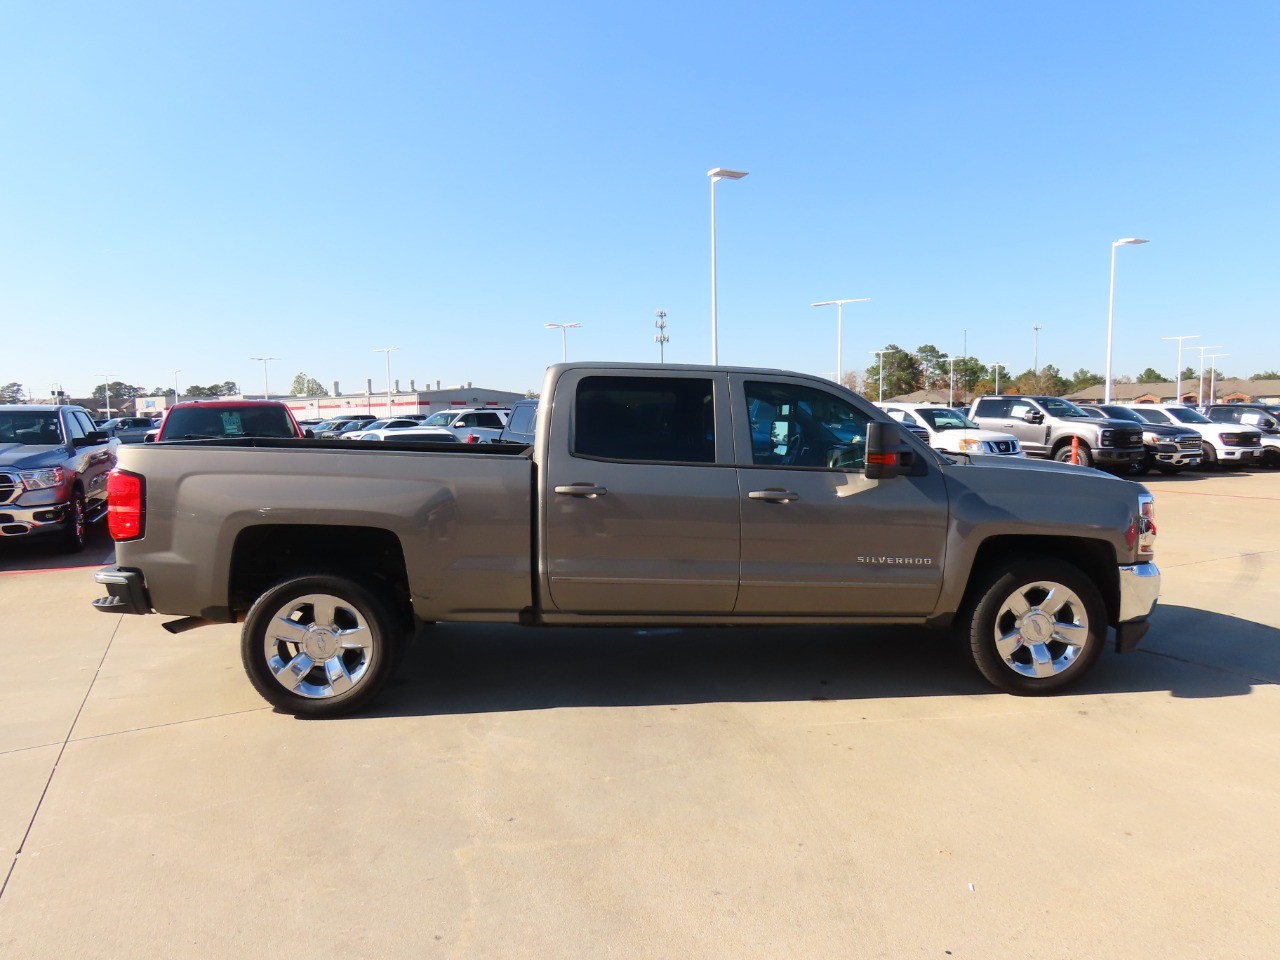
318 646
1041 629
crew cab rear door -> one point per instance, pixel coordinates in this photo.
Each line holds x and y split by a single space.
640 498
820 539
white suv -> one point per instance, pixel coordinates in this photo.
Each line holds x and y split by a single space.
952 432
1224 443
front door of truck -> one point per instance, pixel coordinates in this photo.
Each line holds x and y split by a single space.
640 501
818 537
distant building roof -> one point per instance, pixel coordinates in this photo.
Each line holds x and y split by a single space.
924 396
1230 389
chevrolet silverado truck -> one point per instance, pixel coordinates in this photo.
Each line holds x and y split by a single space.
669 495
1058 429
54 465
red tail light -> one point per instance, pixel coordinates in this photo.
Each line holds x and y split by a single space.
472 438
126 505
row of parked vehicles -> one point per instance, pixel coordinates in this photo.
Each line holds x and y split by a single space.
1133 439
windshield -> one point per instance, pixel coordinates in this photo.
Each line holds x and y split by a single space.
441 419
1187 415
1057 407
198 423
1150 416
944 418
31 428
1120 413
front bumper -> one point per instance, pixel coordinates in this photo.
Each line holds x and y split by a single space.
1243 454
16 521
126 589
1106 455
1139 591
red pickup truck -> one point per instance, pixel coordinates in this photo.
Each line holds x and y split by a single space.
219 419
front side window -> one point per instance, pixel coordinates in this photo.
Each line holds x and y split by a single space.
1151 415
652 419
798 426
1058 407
1018 410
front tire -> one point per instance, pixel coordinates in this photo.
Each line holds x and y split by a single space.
319 646
1036 626
1209 458
1085 459
1143 466
73 538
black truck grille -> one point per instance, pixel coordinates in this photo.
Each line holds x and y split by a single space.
1247 439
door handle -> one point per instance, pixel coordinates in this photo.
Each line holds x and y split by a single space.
773 495
589 490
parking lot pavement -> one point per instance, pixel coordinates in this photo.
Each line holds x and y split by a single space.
716 793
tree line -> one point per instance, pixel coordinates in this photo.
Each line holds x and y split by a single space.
928 368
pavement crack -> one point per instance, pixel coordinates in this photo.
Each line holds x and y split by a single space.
61 750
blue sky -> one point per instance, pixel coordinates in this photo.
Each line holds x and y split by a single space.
191 185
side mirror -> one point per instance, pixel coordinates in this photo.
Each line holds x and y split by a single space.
887 454
90 439
1033 416
309 433
149 438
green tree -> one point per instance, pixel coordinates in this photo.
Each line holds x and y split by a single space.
1190 374
12 393
1047 382
1084 378
1150 375
901 373
227 388
305 386
1266 375
934 369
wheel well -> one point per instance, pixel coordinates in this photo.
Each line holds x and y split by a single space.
268 554
1095 558
1066 442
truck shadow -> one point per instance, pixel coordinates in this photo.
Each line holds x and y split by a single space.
22 555
472 668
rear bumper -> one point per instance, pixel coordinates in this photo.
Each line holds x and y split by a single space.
126 591
1139 591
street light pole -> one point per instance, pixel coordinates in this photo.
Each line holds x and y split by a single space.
880 354
175 384
839 305
661 338
106 391
564 337
266 392
1035 363
951 380
387 351
996 367
716 174
1200 385
1177 397
1213 374
1111 306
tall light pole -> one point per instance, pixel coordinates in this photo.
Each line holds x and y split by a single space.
1200 385
266 392
175 384
1213 373
1111 306
716 174
661 338
1177 397
1035 363
564 337
880 354
839 305
996 367
951 380
387 351
106 391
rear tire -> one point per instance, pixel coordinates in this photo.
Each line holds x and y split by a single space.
319 646
1143 466
1035 626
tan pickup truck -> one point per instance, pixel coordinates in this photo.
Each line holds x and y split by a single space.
671 495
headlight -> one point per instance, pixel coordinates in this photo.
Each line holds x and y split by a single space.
42 479
971 446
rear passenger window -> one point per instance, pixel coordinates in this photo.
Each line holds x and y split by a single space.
652 419
488 420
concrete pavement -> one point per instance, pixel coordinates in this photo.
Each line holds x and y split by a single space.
655 793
